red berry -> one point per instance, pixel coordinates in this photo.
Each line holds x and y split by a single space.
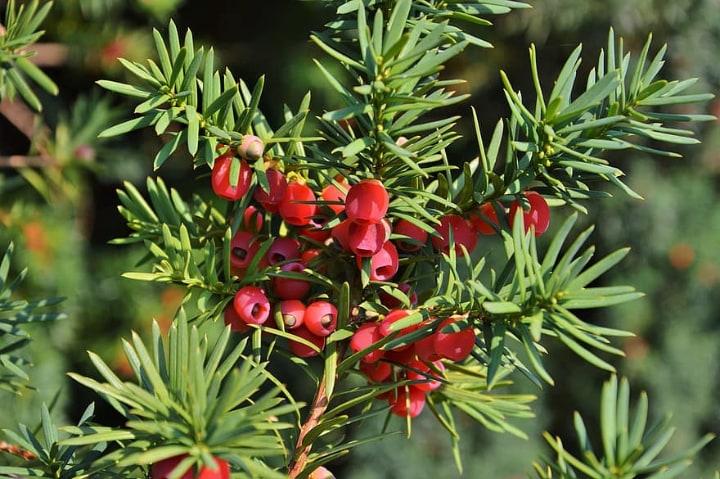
251 147
308 257
292 312
291 288
341 235
335 197
163 469
383 264
232 319
252 219
365 336
462 234
243 248
365 240
484 220
455 346
376 372
297 207
314 231
402 355
407 401
392 317
425 349
283 249
391 302
416 236
421 371
321 318
272 198
537 216
367 202
220 178
303 350
251 305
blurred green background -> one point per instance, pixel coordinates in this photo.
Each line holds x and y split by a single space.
62 215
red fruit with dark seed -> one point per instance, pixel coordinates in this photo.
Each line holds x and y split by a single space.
367 202
291 288
462 234
321 318
292 312
283 249
221 181
277 186
303 350
243 248
365 336
416 236
537 216
252 305
484 219
297 207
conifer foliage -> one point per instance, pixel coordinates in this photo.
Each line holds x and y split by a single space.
400 279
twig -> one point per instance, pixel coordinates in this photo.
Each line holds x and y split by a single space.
16 451
317 409
22 161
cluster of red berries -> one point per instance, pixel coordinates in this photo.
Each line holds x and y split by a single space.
417 364
352 220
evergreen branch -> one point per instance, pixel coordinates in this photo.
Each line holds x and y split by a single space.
629 448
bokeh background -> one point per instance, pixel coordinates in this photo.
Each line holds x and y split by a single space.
62 215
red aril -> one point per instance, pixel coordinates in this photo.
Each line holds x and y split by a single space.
303 350
221 181
321 318
484 219
365 240
376 372
365 336
297 206
232 319
252 305
292 312
416 236
366 202
456 345
291 288
277 186
537 216
407 401
462 234
243 248
335 196
421 371
283 249
383 264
